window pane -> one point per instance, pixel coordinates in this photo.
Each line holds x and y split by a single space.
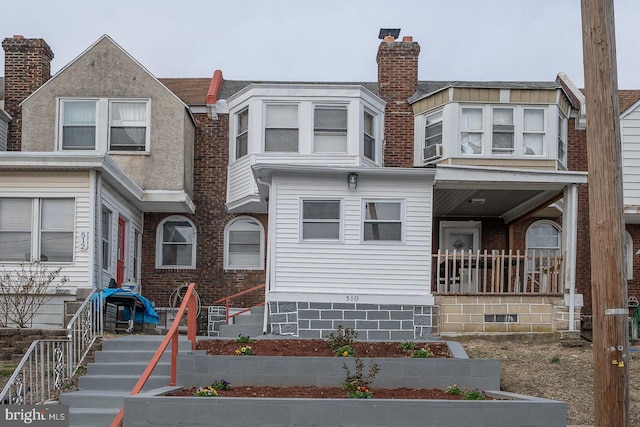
321 209
56 246
15 214
368 123
177 232
128 139
330 119
79 125
383 231
57 214
78 137
178 255
369 147
330 143
382 211
241 145
244 244
281 140
129 114
503 117
533 143
321 230
282 116
330 130
15 246
243 121
471 119
242 133
79 113
533 120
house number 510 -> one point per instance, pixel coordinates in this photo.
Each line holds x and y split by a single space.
352 298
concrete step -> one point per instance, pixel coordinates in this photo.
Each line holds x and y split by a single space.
258 310
127 357
92 417
248 319
232 331
120 382
98 399
141 342
128 368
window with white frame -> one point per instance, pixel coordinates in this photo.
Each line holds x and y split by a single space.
382 221
244 244
281 128
369 136
42 226
78 124
104 124
562 139
176 243
321 219
137 250
503 131
242 133
433 130
128 126
330 129
471 131
543 240
106 230
533 130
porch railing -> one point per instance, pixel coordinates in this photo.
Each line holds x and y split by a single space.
48 365
227 301
497 272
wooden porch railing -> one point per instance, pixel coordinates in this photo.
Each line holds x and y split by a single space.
497 272
227 301
189 305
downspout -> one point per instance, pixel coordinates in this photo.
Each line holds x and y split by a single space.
571 198
96 194
267 279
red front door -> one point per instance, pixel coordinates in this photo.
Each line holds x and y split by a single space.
121 251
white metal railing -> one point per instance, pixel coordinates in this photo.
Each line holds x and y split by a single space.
48 365
497 272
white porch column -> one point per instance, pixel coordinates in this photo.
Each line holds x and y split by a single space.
569 245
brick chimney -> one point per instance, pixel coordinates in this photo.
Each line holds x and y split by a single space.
397 82
27 65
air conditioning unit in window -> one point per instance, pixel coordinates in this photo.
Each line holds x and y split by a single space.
432 152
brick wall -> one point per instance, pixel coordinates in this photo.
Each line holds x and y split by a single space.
397 82
27 66
210 186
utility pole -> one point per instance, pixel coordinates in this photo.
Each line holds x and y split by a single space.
606 222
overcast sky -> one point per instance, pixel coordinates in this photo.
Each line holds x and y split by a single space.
329 40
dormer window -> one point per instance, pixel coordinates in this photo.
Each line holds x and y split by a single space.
79 124
330 129
281 128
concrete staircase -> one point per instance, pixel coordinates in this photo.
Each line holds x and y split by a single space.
248 324
113 375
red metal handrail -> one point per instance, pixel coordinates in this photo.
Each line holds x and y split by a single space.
228 299
189 302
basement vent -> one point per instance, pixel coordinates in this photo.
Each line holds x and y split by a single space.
500 318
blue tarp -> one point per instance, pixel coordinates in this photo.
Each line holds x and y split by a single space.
146 312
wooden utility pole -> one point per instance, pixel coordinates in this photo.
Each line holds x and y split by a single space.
606 223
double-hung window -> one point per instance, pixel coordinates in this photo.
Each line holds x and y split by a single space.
321 219
176 243
36 229
281 128
382 221
128 126
533 131
107 217
78 124
562 139
503 131
330 129
471 131
369 136
244 238
242 133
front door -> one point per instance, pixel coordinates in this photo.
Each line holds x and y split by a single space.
121 252
461 236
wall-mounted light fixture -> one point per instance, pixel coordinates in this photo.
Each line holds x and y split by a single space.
352 181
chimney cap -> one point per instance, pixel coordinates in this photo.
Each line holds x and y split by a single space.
393 32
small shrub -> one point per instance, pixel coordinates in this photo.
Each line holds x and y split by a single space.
341 337
206 392
554 360
244 351
406 345
453 390
221 385
345 351
422 353
242 339
358 383
475 395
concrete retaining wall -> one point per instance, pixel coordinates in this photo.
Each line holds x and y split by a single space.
154 410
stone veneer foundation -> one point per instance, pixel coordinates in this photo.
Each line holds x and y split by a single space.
371 321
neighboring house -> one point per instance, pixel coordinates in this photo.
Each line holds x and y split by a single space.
401 208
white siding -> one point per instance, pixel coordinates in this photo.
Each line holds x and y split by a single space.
240 181
69 184
630 130
350 265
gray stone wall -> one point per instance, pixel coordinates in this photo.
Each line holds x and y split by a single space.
371 321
